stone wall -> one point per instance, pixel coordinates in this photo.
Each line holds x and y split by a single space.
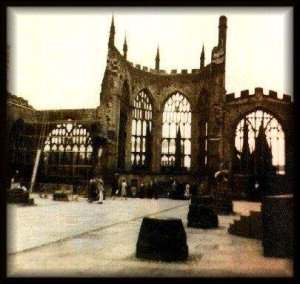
204 89
282 109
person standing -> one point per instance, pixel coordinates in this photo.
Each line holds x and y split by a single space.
124 189
187 193
100 189
16 181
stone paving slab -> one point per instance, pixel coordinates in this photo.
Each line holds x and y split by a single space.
110 251
50 221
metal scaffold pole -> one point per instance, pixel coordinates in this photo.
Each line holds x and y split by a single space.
38 152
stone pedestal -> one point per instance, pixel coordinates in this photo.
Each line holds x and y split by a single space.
203 217
162 240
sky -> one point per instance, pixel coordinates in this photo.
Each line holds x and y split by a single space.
57 56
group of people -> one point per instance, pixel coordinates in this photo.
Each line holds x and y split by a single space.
182 190
135 189
96 190
16 183
120 188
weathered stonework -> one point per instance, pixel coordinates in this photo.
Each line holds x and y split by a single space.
205 90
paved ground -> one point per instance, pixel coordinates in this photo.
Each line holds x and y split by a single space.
81 239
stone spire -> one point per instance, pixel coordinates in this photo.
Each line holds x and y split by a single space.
263 153
125 48
222 32
111 42
157 60
202 58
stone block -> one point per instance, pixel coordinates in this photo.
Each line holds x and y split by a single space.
204 217
272 94
184 71
60 196
229 97
244 94
258 91
162 240
287 98
256 225
277 218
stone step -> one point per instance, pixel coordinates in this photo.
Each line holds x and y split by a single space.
248 226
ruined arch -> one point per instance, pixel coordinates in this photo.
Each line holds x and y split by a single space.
253 122
251 109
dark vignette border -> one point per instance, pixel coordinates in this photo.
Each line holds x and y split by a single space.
4 137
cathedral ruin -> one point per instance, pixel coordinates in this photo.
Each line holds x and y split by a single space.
151 124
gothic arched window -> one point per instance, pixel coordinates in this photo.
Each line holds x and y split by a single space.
176 133
260 125
67 151
141 131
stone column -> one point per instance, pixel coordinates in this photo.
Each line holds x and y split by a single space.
195 142
128 140
156 142
201 149
215 125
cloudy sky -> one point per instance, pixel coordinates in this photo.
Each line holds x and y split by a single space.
58 56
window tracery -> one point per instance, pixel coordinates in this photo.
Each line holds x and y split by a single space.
274 135
141 131
177 118
68 151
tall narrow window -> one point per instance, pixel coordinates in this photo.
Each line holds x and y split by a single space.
255 128
176 133
141 132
